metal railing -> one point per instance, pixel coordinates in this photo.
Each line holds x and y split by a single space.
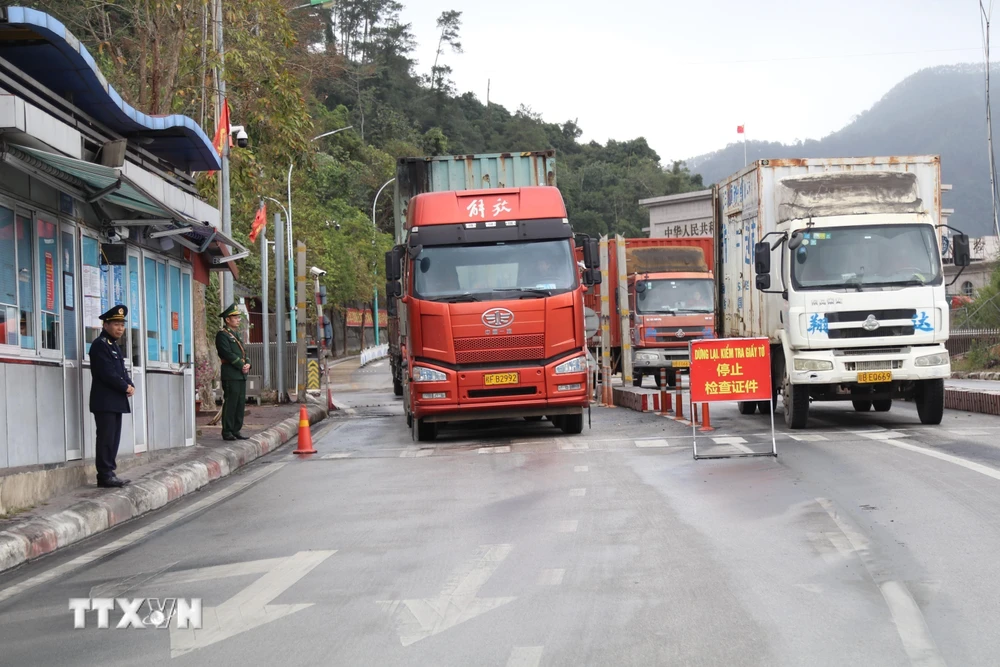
960 341
255 355
370 354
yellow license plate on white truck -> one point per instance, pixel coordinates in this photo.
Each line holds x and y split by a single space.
874 377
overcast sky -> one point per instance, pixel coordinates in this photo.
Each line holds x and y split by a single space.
685 74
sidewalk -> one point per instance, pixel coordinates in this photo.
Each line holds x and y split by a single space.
157 479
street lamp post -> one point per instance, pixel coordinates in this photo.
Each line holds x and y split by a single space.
288 215
374 231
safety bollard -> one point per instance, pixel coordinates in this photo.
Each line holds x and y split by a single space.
664 401
706 421
694 414
680 401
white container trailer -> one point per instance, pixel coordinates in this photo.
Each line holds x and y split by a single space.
849 286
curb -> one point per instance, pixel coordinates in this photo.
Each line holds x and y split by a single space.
975 375
972 400
39 536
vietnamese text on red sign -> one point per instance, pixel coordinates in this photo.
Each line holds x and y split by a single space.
737 370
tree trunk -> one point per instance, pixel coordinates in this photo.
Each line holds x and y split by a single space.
202 350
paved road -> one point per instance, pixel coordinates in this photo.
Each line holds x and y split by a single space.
980 385
871 540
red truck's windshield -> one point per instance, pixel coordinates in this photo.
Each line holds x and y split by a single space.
493 271
674 296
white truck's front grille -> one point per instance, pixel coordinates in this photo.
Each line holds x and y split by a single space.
883 365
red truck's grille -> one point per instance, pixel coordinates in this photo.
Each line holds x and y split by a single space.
499 348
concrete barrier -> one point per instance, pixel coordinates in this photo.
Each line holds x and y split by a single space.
636 398
371 354
970 400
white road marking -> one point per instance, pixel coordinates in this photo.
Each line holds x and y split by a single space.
505 449
965 432
141 533
909 621
581 468
568 526
882 435
525 656
337 455
251 607
652 442
957 460
551 577
421 618
414 453
577 493
733 441
807 437
573 445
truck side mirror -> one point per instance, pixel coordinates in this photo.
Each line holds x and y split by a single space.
960 250
393 260
591 277
762 260
393 289
390 308
640 286
763 281
591 254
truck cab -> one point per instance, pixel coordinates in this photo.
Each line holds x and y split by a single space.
491 309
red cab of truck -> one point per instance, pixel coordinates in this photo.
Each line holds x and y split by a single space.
669 285
491 309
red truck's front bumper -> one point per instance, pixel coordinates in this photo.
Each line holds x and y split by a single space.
465 395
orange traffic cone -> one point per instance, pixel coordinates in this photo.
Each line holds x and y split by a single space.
305 436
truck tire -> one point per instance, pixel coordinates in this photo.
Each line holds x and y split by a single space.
637 379
861 405
883 405
397 387
930 401
671 378
796 400
764 407
572 424
426 430
533 419
747 407
557 420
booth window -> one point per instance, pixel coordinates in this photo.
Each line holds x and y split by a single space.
67 283
186 316
152 312
8 279
25 281
48 265
92 287
177 336
133 310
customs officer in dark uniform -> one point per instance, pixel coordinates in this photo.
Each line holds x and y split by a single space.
234 374
109 393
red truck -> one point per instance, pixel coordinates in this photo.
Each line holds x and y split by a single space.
489 301
670 290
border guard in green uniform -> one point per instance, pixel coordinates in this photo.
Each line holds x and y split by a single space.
234 374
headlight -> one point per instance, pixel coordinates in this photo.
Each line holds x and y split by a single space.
813 365
421 374
578 365
939 359
645 356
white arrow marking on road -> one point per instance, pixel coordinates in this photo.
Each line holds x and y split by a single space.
250 607
457 602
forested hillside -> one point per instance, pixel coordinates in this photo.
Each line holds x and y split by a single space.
294 73
939 111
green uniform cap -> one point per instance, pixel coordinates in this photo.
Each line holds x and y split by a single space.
232 310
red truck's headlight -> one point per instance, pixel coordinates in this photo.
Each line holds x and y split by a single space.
421 374
577 365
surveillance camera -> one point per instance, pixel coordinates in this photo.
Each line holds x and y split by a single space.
240 133
316 271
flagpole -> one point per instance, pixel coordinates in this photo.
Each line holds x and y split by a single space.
744 126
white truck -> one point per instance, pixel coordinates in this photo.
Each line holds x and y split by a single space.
839 263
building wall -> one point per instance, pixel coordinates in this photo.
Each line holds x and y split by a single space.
44 409
681 219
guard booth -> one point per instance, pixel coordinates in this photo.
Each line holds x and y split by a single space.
97 206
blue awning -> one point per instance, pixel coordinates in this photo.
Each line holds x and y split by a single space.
43 48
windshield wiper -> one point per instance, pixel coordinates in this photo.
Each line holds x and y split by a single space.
532 291
457 298
911 282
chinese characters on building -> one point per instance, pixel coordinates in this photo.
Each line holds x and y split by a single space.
691 230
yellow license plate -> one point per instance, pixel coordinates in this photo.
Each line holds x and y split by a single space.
872 377
682 364
493 379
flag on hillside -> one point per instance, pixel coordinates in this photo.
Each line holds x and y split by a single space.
739 129
223 130
259 221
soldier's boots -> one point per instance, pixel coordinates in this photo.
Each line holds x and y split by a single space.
112 482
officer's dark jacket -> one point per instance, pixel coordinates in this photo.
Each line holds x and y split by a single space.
110 379
232 354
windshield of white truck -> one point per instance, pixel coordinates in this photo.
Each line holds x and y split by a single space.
494 271
866 257
674 296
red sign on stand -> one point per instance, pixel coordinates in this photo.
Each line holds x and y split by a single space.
731 369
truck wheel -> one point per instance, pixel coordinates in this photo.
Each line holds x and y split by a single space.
883 405
930 401
637 380
533 419
397 387
426 430
796 400
862 406
747 407
409 420
557 420
764 407
572 424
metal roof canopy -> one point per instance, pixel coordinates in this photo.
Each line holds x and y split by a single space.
90 183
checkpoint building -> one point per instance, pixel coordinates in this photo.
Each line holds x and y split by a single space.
97 206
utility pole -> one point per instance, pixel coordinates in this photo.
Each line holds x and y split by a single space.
220 96
300 306
279 300
265 314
